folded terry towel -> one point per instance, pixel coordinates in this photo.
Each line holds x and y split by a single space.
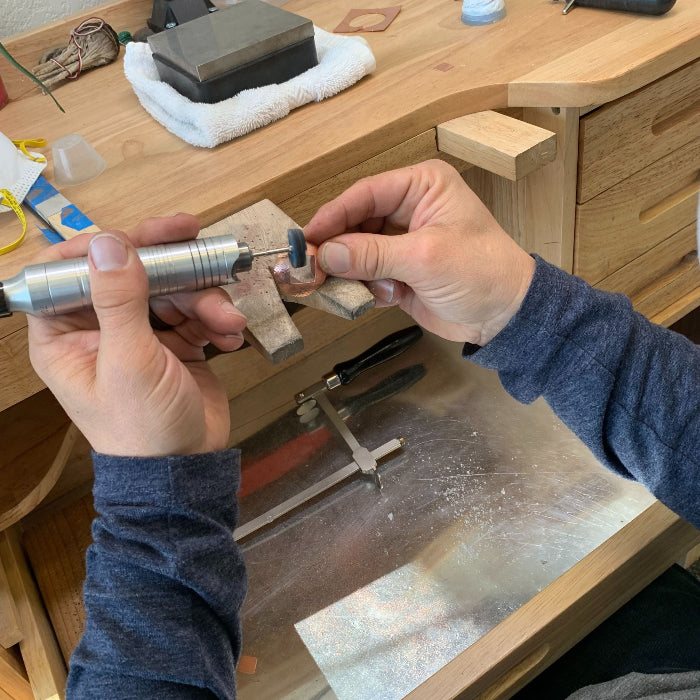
342 61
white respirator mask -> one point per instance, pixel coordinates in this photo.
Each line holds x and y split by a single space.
19 170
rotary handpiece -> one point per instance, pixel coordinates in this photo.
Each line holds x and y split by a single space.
63 286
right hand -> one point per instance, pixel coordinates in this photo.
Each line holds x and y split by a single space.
423 240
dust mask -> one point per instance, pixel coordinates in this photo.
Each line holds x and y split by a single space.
19 170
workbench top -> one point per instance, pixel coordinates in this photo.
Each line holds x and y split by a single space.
534 57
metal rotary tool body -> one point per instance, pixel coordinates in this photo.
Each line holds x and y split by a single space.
63 286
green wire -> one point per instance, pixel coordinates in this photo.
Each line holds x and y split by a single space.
4 52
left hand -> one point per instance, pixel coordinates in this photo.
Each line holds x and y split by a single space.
130 390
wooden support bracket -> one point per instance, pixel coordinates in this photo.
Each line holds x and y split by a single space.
498 143
38 646
37 439
14 683
10 633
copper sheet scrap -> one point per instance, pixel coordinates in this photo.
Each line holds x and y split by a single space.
390 14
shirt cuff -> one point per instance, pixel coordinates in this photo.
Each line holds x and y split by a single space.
189 480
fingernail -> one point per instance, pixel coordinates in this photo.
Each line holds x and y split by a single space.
383 289
108 252
335 257
229 308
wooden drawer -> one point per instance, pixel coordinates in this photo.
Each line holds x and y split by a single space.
664 274
628 219
420 148
628 134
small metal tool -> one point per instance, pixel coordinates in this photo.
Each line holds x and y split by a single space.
308 494
343 373
646 7
63 286
362 456
364 460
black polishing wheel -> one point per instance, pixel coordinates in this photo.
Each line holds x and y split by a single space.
297 242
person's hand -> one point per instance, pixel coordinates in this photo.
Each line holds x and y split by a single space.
132 391
423 240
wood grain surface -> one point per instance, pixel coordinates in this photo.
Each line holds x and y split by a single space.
40 652
637 213
506 658
14 684
628 134
36 438
590 54
498 143
535 57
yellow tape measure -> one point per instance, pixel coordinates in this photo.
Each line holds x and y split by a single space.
23 144
7 199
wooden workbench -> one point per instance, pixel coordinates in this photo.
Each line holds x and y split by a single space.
580 75
535 59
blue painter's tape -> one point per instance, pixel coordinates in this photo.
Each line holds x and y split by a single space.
72 217
40 191
51 235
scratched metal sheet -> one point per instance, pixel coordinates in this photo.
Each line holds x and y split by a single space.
362 595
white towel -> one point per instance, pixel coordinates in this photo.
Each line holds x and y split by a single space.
342 62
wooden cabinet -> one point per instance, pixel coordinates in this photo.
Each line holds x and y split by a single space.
628 134
637 196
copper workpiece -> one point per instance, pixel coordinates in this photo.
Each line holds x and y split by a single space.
293 282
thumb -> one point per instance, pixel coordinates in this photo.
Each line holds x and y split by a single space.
366 256
119 290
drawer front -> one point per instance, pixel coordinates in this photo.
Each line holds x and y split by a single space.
625 221
625 136
664 274
423 147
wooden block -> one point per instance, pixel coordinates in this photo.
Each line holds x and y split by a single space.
55 547
10 633
14 683
270 329
40 652
345 298
498 143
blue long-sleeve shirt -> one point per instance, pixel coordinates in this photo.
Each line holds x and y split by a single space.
628 388
165 580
